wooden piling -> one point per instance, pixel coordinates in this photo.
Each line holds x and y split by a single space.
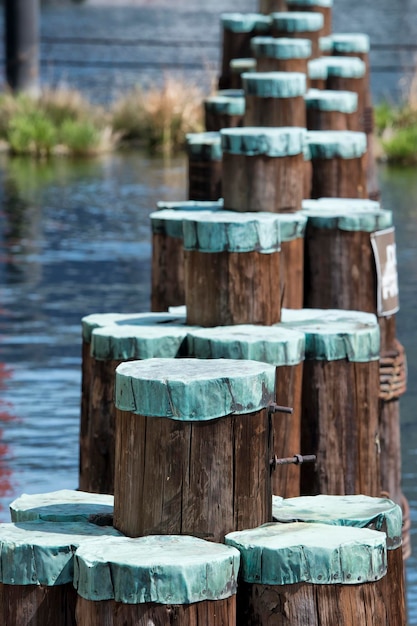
239 67
270 6
232 266
348 74
281 55
299 25
223 112
282 348
203 467
331 110
359 511
305 573
317 6
274 99
339 422
156 580
204 166
317 73
262 168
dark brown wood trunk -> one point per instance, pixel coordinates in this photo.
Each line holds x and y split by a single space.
204 180
359 86
204 479
266 64
270 6
307 178
313 36
275 111
84 455
167 281
216 121
317 83
262 183
325 11
235 46
292 273
339 424
232 288
331 120
111 613
287 430
34 605
339 178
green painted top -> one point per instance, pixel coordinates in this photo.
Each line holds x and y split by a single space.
269 344
342 144
169 221
359 510
297 22
225 105
331 100
191 205
333 334
169 569
245 22
137 342
65 505
326 44
350 215
237 66
312 3
193 389
99 320
317 69
281 48
233 231
206 145
292 225
231 93
272 142
350 42
274 84
345 67
285 554
42 553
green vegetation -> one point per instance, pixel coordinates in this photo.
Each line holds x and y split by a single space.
62 122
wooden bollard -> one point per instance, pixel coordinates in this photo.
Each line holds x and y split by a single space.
88 324
238 29
299 25
281 55
65 505
364 512
292 226
203 467
326 46
311 574
262 168
348 74
275 99
109 347
331 110
156 580
223 112
204 166
36 578
339 422
338 164
239 67
318 6
270 6
232 269
317 73
167 276
282 348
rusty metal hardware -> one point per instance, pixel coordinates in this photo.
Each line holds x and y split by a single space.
297 459
276 408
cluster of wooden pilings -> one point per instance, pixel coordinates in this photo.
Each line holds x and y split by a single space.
240 458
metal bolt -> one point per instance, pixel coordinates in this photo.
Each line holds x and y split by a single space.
276 408
297 459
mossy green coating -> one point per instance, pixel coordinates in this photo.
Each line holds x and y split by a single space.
225 105
297 22
99 320
349 43
268 344
345 67
191 205
342 144
193 389
310 3
330 100
286 554
169 221
343 214
113 343
326 44
333 334
238 66
168 569
65 505
245 22
230 231
42 553
292 225
273 142
274 84
280 48
317 69
204 145
357 510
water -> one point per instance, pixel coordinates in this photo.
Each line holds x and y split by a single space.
75 236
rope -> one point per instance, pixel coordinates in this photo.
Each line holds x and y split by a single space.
393 373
